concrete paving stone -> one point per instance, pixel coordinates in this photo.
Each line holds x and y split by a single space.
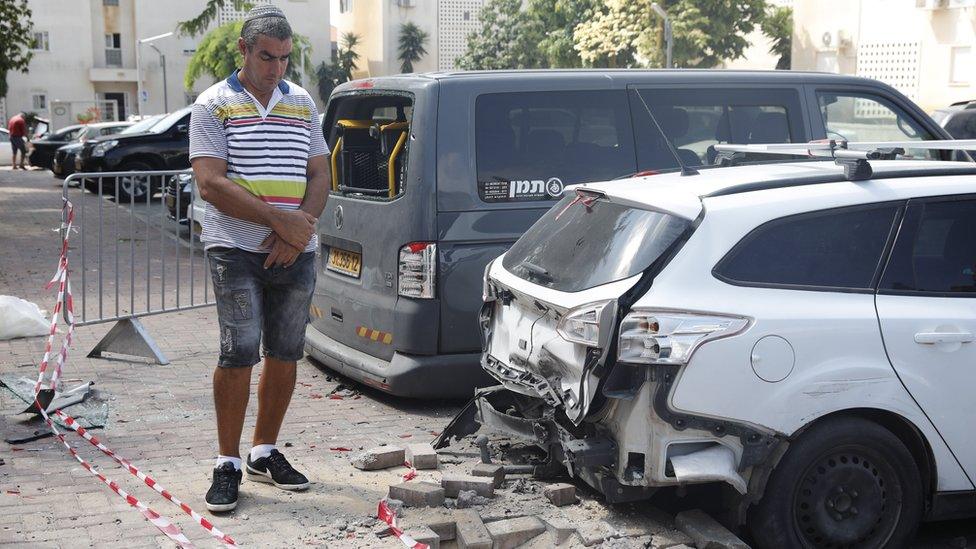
670 538
382 457
422 456
494 470
560 494
706 531
418 494
471 531
560 529
426 536
510 533
453 484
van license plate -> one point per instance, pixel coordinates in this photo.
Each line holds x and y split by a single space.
347 263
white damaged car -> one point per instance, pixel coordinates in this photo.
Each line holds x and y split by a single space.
803 339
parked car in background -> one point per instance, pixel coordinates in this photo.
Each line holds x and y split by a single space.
802 339
41 150
959 119
163 146
178 195
62 166
458 165
6 155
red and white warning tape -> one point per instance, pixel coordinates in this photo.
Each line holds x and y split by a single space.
388 515
64 296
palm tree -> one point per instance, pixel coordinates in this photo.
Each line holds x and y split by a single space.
330 75
347 54
412 41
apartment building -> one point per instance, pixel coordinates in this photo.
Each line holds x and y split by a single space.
377 23
88 54
924 48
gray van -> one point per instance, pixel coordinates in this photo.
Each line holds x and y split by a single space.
436 174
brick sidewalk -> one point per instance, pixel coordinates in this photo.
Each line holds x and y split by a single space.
161 418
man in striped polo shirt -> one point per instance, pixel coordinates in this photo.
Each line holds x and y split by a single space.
259 159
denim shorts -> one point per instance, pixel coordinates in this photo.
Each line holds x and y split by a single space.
253 301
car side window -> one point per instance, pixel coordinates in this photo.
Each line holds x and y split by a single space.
4 138
695 120
531 144
936 250
830 249
864 117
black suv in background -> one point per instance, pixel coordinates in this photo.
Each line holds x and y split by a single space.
42 150
164 146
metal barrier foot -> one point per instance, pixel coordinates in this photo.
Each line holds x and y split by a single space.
129 337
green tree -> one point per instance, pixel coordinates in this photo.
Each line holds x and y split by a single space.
778 26
199 24
507 39
16 39
217 55
412 42
329 75
706 32
554 22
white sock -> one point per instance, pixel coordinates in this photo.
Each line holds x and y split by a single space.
229 459
261 450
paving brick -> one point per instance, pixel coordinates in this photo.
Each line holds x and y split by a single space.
669 539
382 457
471 531
418 494
426 536
560 494
706 531
510 533
561 529
422 456
493 470
453 484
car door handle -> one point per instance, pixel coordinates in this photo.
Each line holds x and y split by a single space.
931 338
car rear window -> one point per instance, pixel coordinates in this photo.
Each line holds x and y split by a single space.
839 248
531 144
585 241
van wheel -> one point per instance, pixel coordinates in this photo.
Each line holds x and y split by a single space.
135 189
846 482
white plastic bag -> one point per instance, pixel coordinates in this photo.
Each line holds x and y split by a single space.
19 318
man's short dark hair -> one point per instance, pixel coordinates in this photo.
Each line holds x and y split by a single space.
267 20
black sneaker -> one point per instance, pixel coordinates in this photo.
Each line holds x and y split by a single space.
222 495
275 469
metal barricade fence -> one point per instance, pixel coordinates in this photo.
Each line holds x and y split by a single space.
135 254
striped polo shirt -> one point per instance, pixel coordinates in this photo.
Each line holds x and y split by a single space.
266 149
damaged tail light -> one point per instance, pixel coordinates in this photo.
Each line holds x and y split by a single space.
669 337
582 324
418 270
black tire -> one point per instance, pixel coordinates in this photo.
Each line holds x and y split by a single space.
844 483
135 189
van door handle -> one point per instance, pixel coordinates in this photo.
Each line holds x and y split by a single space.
931 338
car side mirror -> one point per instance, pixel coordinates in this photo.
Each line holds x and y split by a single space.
183 128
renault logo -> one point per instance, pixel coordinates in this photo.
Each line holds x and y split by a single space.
338 217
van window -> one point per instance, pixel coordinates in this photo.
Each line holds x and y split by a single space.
369 138
697 119
864 117
530 145
838 248
936 250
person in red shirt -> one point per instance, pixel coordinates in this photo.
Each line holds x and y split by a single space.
18 139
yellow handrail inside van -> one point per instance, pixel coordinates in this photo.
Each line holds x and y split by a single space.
335 163
391 167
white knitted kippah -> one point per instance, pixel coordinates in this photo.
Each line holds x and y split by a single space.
260 12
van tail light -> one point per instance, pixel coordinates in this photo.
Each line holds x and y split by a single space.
582 324
418 270
670 337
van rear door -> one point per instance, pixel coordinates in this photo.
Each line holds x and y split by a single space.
371 293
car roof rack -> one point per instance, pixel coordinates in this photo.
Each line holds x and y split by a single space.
852 155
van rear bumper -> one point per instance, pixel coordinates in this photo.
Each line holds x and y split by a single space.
417 376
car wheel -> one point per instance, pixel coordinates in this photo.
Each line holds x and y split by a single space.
132 188
844 483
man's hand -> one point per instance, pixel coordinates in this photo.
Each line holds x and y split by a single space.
280 252
294 227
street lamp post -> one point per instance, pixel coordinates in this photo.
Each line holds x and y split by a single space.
668 37
162 61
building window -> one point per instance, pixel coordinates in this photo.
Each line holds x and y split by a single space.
39 102
41 42
110 2
228 13
345 6
113 49
961 69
